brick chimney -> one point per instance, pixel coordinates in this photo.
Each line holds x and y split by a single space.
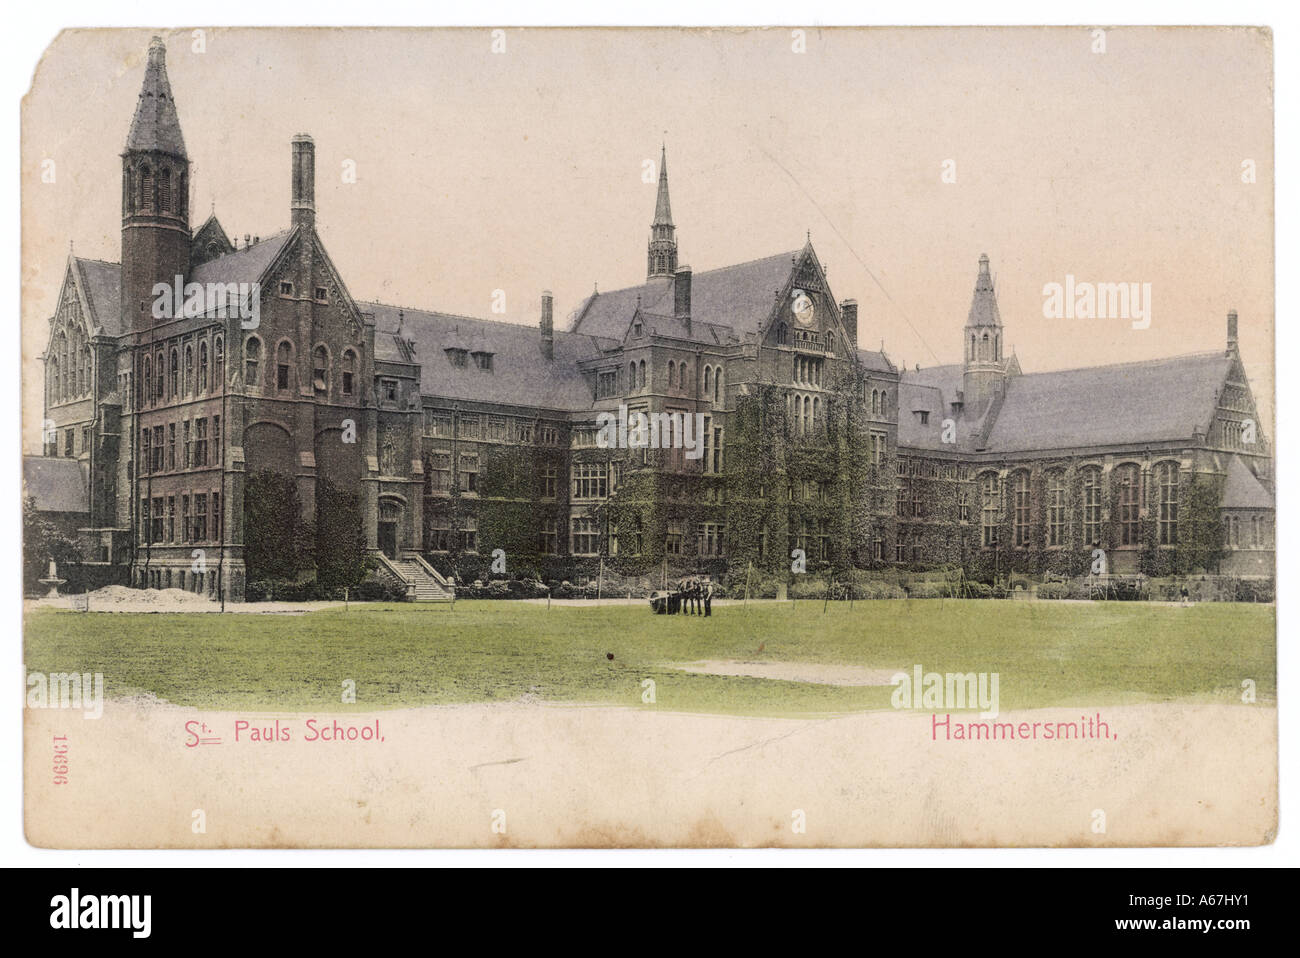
849 313
548 324
682 295
1232 331
303 203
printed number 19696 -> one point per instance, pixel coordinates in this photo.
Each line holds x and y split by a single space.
60 760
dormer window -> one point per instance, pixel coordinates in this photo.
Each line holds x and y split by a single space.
457 357
286 289
483 361
636 329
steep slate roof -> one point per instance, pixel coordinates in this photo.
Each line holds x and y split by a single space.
875 361
520 374
933 389
740 296
102 285
1243 490
247 265
1122 404
57 485
155 125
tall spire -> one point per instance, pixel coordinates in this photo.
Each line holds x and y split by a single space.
661 252
984 304
663 209
155 126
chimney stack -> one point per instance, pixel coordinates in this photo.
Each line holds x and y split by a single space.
303 205
548 324
849 313
1232 331
682 295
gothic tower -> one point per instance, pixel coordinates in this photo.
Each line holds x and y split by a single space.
982 344
661 251
155 195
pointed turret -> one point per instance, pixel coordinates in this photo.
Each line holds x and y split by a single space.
155 194
982 344
661 252
155 125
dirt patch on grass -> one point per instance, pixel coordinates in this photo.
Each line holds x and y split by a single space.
811 672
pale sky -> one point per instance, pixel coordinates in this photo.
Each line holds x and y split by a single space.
522 170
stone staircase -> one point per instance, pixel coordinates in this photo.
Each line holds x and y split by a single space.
422 581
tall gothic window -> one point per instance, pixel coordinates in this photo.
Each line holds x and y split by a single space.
1091 505
219 363
781 334
283 365
989 509
717 387
173 373
1167 482
349 372
252 360
203 366
1022 508
1127 483
165 190
147 380
320 370
672 373
1056 508
146 189
640 375
189 370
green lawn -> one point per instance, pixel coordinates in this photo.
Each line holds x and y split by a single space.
1047 653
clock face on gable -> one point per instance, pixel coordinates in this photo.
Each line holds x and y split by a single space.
801 306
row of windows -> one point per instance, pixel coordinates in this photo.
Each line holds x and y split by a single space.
70 368
442 425
284 371
1255 532
145 190
182 371
808 371
197 520
165 449
1126 479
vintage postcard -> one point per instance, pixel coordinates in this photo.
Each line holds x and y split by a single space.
543 438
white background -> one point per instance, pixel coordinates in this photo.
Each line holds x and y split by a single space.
30 28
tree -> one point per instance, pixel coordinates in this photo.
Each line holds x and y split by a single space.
42 541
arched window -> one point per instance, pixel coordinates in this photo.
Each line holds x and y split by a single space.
672 374
1056 508
717 388
884 403
189 370
816 413
1021 490
708 380
88 361
219 363
972 346
807 415
640 375
283 364
1126 485
631 376
984 347
252 360
173 372
148 380
1091 505
1167 483
875 402
781 334
203 366
158 368
830 341
320 370
146 189
165 190
349 372
989 508
55 383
